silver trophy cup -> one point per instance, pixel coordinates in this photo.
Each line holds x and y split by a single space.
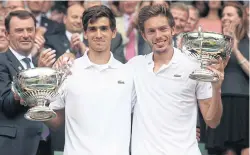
206 47
38 87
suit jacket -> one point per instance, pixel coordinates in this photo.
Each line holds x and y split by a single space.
60 43
51 26
18 136
142 46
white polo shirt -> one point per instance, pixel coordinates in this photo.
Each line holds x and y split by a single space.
98 100
165 114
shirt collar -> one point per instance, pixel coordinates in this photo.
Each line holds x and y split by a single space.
69 35
112 63
19 56
38 20
174 59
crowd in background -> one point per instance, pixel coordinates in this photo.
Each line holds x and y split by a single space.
59 29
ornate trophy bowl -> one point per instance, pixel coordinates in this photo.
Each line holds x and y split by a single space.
38 87
206 47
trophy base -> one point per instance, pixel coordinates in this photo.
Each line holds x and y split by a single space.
204 75
40 113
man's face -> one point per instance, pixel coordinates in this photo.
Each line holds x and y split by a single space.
12 5
73 20
3 40
230 17
99 35
128 7
158 33
180 19
35 6
21 34
192 21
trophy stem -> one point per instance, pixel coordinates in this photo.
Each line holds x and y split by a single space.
41 102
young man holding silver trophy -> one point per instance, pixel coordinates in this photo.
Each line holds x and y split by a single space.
97 110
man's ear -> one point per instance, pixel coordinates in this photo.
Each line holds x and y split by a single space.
84 35
114 33
143 35
173 31
7 35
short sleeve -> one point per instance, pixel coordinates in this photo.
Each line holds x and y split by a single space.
59 102
204 90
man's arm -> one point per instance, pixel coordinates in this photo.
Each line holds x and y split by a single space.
55 123
8 105
211 109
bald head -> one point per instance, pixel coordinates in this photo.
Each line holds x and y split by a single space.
88 4
11 5
73 19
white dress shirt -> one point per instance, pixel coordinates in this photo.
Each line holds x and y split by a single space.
20 58
98 100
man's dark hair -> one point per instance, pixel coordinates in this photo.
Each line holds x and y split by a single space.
93 13
59 8
22 14
153 11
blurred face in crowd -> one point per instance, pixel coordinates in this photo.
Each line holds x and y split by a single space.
73 19
21 34
99 35
192 20
73 2
213 4
35 6
3 40
158 33
128 7
88 4
56 16
160 2
47 6
230 17
12 5
180 19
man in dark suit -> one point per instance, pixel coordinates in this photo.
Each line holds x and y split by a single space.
18 136
41 21
73 23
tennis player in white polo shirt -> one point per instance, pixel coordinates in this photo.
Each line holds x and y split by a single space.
165 114
97 99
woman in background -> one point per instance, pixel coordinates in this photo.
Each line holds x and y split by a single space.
231 137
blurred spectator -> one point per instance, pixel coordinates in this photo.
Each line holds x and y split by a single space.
212 22
114 5
12 5
232 134
3 39
73 23
201 6
36 8
161 2
88 4
126 25
57 13
180 13
46 10
73 2
142 4
193 19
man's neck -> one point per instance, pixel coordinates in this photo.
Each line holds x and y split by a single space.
99 58
163 57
